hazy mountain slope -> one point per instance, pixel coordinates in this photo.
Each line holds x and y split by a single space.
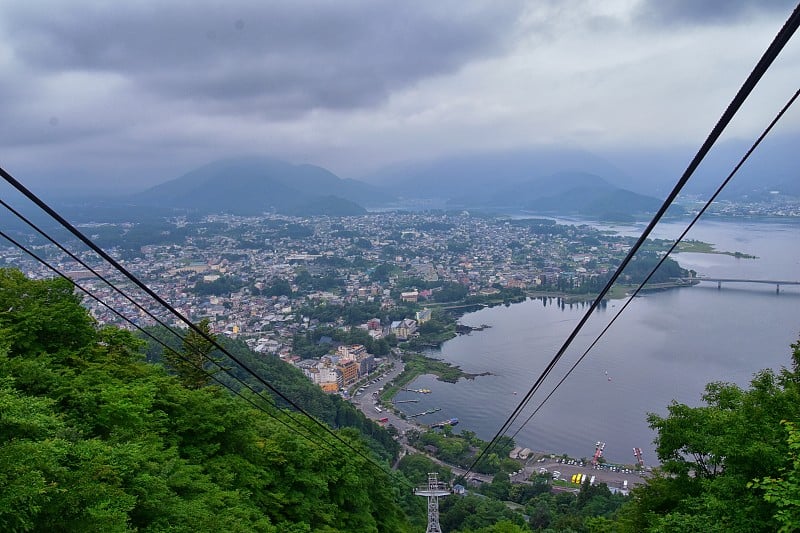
252 185
484 173
771 167
604 203
567 193
558 181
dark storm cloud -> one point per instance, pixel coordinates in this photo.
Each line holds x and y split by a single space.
707 12
275 59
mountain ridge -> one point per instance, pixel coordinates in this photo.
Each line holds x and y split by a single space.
547 181
501 180
252 185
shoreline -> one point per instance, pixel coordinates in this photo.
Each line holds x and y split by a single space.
450 373
416 365
534 461
557 461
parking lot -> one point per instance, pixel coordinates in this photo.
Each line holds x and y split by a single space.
616 477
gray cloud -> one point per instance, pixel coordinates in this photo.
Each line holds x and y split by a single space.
134 93
276 59
707 12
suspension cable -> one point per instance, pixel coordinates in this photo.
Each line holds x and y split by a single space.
308 436
641 285
769 56
77 233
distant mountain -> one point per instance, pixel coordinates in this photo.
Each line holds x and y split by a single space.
326 205
772 167
568 193
551 181
481 174
603 202
252 185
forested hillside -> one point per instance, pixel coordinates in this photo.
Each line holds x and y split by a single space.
94 438
330 409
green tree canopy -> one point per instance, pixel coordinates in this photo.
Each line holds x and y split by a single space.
41 315
784 491
711 454
94 438
194 363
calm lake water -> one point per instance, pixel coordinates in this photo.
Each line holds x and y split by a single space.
665 346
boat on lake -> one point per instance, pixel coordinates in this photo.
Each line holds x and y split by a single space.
443 423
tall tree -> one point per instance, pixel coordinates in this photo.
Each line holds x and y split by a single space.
41 315
193 365
784 490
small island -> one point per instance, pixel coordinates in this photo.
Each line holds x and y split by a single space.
700 247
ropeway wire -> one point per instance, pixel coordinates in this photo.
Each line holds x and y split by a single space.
47 264
308 436
36 228
769 56
77 233
128 320
671 249
83 263
125 295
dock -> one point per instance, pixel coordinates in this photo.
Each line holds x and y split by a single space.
406 401
445 423
423 413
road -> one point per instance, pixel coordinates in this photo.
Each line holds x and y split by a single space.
366 402
457 471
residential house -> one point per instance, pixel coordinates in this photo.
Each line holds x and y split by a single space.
410 296
423 316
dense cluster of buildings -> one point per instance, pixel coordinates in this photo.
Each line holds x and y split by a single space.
336 371
772 204
367 259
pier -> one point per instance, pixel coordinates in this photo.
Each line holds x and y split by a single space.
423 413
406 401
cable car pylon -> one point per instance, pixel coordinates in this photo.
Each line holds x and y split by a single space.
433 491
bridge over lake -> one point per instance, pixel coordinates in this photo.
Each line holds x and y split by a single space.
720 281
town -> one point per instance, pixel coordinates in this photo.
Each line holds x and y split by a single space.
329 295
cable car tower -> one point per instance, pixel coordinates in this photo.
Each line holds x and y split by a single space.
433 491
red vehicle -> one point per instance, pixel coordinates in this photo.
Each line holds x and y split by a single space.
384 420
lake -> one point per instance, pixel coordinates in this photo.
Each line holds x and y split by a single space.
665 346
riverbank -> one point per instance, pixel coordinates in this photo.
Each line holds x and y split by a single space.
444 324
618 291
409 428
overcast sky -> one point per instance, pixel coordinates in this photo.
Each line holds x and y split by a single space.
129 94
